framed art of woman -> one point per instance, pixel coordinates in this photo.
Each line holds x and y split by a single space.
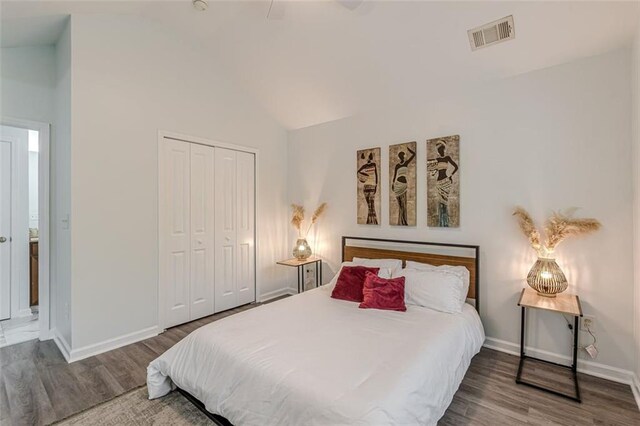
443 183
368 202
402 174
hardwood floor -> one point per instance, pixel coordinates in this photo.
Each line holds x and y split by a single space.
37 386
489 395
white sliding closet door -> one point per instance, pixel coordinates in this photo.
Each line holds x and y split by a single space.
226 229
207 230
174 224
246 277
235 228
202 231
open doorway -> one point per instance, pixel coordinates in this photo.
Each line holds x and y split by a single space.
23 200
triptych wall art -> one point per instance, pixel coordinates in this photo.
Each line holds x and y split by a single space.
443 184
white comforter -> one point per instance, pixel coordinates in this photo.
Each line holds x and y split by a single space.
313 360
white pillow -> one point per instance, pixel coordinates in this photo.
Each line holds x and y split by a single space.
436 289
394 265
382 273
461 271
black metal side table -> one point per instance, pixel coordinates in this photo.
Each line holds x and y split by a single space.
564 304
300 264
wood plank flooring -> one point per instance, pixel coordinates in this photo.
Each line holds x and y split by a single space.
38 387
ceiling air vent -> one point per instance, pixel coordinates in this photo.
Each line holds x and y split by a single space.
492 33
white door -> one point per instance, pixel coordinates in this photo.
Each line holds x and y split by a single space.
245 178
174 224
235 228
5 229
14 222
202 231
207 230
226 229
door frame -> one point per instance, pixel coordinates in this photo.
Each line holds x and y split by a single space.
44 299
162 134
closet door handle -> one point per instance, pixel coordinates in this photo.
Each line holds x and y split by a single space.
3 240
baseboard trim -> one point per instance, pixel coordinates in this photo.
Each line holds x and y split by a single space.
62 344
110 344
635 388
591 368
277 293
23 313
46 335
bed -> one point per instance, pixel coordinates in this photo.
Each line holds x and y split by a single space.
313 360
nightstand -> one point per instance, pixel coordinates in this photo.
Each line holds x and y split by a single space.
566 304
300 265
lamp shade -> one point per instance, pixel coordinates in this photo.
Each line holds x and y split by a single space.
302 250
547 278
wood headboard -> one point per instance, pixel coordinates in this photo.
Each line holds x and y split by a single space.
393 249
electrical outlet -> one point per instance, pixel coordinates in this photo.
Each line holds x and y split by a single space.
310 275
588 321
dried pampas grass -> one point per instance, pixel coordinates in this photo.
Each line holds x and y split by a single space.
528 228
316 215
557 228
297 218
562 225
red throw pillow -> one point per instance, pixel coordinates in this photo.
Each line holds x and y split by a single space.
383 293
350 282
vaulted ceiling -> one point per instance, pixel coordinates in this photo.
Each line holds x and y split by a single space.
319 61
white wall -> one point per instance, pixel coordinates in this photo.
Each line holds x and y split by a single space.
132 78
35 84
27 91
635 120
549 139
27 83
32 87
60 195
